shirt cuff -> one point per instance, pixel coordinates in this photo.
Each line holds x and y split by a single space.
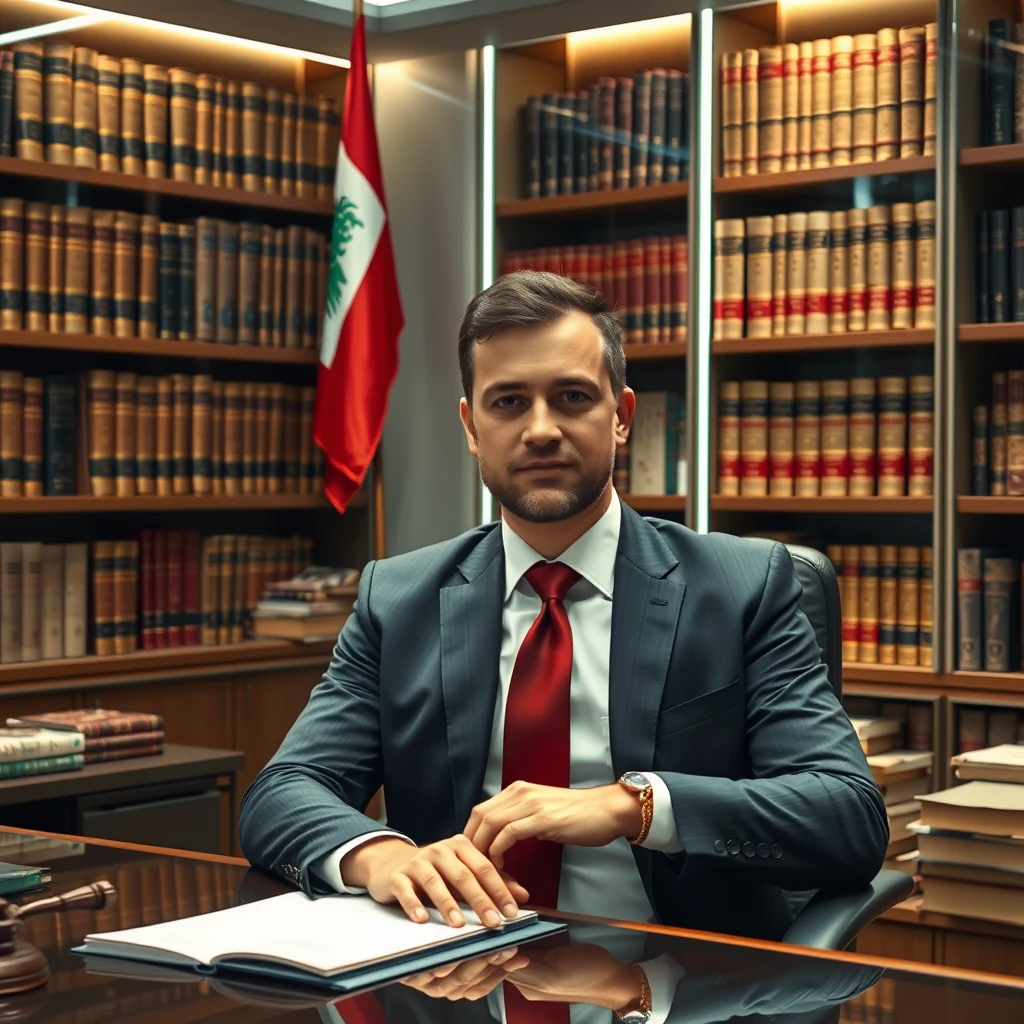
663 975
663 836
328 868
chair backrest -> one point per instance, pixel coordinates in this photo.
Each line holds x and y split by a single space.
819 601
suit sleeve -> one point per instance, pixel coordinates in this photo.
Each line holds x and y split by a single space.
810 815
308 800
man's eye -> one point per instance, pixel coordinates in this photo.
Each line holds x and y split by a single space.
576 396
506 402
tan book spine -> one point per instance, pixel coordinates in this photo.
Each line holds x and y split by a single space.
862 437
272 142
327 136
887 95
125 418
307 174
227 281
999 436
254 113
865 49
184 114
732 114
55 270
1014 433
839 273
924 609
805 100
11 568
921 435
202 434
126 260
835 444
239 589
280 263
753 437
154 125
76 269
911 40
32 436
790 106
817 272
857 233
207 248
265 291
84 106
796 275
887 604
263 404
58 134
929 117
821 103
233 135
101 276
729 438
28 100
149 275
293 294
133 89
126 585
808 438
234 410
780 263
850 601
249 413
145 437
729 274
879 277
220 105
924 263
759 277
164 436
12 264
751 115
248 283
769 104
842 101
11 442
903 265
31 601
103 615
37 257
101 405
76 599
289 127
204 129
781 438
892 436
108 112
181 444
217 436
867 619
275 470
52 587
908 607
210 586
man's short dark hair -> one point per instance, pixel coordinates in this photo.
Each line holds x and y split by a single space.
530 298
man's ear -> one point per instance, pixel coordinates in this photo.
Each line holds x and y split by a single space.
466 415
624 415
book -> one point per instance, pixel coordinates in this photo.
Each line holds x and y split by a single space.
732 114
103 616
863 122
929 118
125 416
186 281
770 109
754 437
76 591
100 409
133 87
796 274
203 172
808 438
92 723
821 103
999 266
108 113
999 74
1001 607
21 878
156 84
125 285
31 601
28 100
781 427
835 405
232 134
83 116
32 437
55 270
805 103
12 263
912 61
149 276
992 808
218 158
308 629
887 95
790 106
838 274
41 766
751 112
6 103
841 84
52 604
58 139
1002 763
169 263
254 115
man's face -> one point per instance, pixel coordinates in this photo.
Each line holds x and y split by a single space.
544 424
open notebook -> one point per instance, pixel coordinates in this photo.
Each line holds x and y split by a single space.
342 942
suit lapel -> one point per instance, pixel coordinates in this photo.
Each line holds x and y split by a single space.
470 651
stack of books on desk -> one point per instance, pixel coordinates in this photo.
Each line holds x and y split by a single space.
31 750
972 838
311 606
102 733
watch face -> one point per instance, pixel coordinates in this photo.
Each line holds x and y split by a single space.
635 780
635 1017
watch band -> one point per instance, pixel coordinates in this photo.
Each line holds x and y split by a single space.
645 794
638 1014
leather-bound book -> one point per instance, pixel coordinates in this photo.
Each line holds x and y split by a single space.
641 128
998 435
59 442
58 138
249 413
103 622
272 141
759 277
892 436
887 95
835 434
880 281
233 135
275 446
862 437
147 590
154 125
865 53
999 265
37 256
929 123
12 264
234 407
108 112
186 281
328 133
907 609
262 461
204 129
750 110
659 126
921 436
925 601
31 601
254 115
217 435
289 133
32 437
76 599
159 589
11 442
170 302
220 110
181 442
145 436
307 401
175 588
28 100
781 437
924 263
248 282
100 410
55 270
149 276
842 101
310 276
805 104
770 108
239 589
979 451
307 171
126 259
227 282
256 558
84 103
133 90
10 603
6 102
202 434
225 591
1000 83
52 587
191 610
911 42
280 284
293 291
101 275
265 291
184 99
164 436
753 437
125 586
292 418
209 572
125 386
207 246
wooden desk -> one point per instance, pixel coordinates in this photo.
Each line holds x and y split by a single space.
716 977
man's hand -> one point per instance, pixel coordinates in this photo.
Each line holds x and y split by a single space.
572 817
471 979
442 874
578 974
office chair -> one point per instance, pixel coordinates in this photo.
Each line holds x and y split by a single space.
834 920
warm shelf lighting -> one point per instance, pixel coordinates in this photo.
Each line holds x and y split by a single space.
635 29
51 28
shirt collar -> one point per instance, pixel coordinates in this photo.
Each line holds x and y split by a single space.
592 555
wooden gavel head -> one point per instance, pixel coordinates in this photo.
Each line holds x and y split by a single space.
88 897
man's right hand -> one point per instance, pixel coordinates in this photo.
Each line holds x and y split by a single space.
441 874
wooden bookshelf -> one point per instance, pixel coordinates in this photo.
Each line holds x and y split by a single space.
889 506
983 505
214 195
638 352
801 181
825 342
158 347
584 203
969 333
1001 682
655 502
898 675
1009 156
79 504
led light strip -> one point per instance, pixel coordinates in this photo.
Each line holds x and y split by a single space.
487 114
51 28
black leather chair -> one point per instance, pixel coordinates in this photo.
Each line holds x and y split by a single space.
834 920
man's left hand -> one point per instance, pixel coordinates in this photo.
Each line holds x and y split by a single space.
572 817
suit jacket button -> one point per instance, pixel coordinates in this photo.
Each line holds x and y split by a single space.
762 850
719 846
776 851
748 849
733 846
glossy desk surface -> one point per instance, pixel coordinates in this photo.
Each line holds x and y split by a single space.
720 978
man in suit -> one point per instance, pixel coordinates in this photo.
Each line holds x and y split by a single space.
596 711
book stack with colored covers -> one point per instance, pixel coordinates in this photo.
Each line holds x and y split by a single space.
70 105
654 461
989 621
979 727
998 436
312 605
619 133
832 438
887 602
104 734
822 272
829 102
35 748
646 279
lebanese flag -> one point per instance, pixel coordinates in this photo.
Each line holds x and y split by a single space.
363 318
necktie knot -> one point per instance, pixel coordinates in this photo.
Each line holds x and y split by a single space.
551 580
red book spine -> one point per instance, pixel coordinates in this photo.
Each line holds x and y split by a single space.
174 588
571 262
635 291
159 588
147 600
651 325
680 288
192 600
665 309
620 275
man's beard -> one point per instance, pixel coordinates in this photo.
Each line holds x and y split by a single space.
556 505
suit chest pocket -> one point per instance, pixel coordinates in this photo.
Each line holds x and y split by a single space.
701 709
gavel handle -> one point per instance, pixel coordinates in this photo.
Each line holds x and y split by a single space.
89 897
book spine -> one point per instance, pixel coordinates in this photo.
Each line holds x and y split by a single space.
835 411
28 100
234 403
101 277
248 282
1000 422
100 408
58 134
126 259
753 437
280 282
849 582
263 403
887 93
149 276
164 436
908 588
864 62
862 437
732 114
1015 432
249 412
219 159
879 278
924 609
594 133
233 135
125 386
805 99
665 272
305 153
76 598
912 57
276 460
37 244
52 611
184 100
1000 82
32 436
289 110
207 245
310 283
607 146
291 441
659 126
729 438
821 103
759 277
160 589
238 590
133 89
796 274
191 589
203 173
85 80
903 265
1000 594
307 449
1016 264
125 586
11 566
751 113
225 590
59 441
175 588
888 604
328 131
11 442
920 438
781 438
790 106
103 624
972 730
924 260
76 269
6 102
293 288
999 265
808 438
817 272
780 261
55 270
729 274
841 63
867 617
12 264
227 282
549 144
210 584
641 130
981 268
892 436
979 451
857 316
623 132
254 113
170 298
769 100
145 436
181 443
147 591
155 120
186 281
929 118
272 142
839 273
217 436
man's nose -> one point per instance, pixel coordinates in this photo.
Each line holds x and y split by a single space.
542 427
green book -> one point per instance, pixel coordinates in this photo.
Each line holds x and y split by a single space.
41 766
20 877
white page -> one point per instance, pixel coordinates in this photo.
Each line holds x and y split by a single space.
326 935
1009 754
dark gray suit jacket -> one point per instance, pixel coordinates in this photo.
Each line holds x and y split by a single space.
716 682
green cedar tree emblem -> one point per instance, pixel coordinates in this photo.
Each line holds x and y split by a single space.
345 222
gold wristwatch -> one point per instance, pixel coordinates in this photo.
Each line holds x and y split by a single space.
637 784
639 1011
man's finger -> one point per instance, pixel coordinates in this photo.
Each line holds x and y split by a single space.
405 892
426 875
514 832
490 879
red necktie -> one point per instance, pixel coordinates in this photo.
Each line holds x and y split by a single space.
536 749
